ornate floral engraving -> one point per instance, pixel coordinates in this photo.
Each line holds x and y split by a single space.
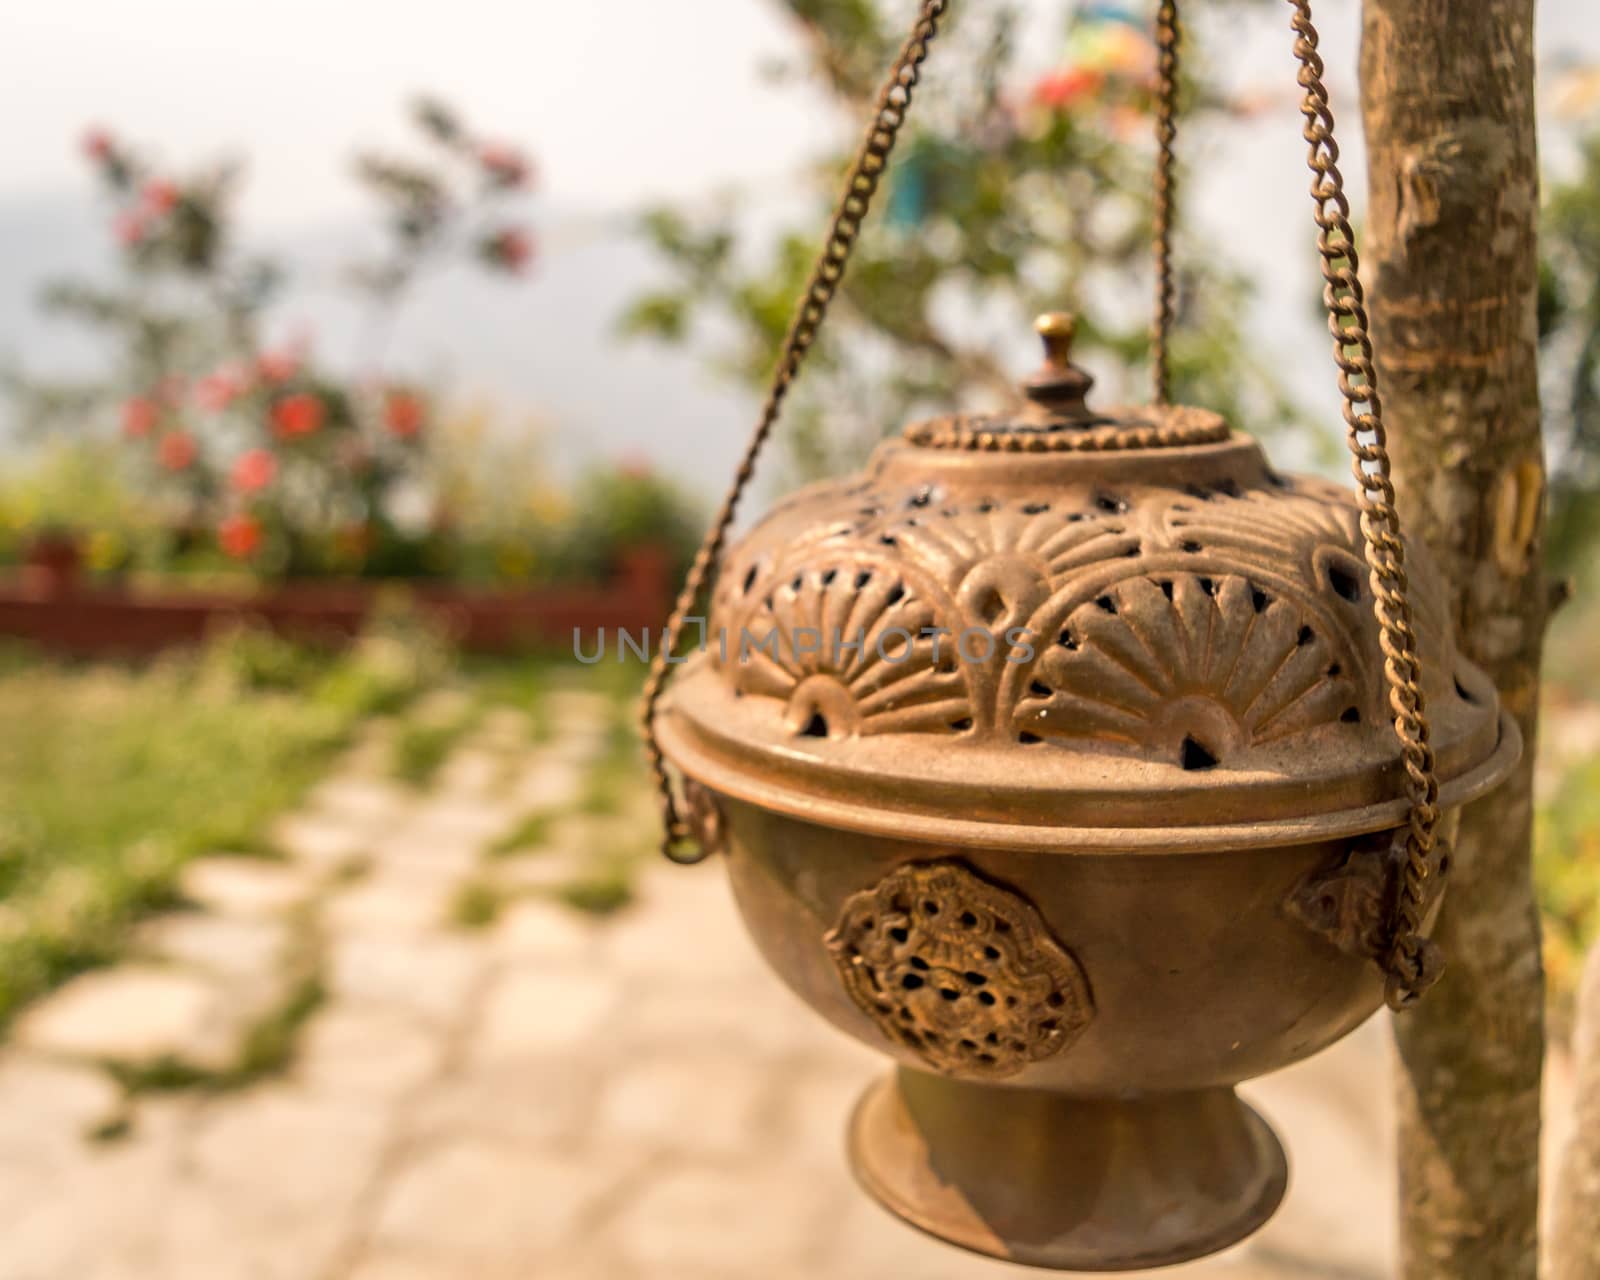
961 971
845 647
1192 623
1197 665
1021 531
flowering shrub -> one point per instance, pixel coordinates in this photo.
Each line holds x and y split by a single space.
259 452
499 519
624 505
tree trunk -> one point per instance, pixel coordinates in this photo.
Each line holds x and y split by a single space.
1575 1224
1451 248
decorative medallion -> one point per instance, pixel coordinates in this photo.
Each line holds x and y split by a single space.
1351 901
961 971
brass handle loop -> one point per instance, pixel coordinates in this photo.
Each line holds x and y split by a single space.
1413 963
866 173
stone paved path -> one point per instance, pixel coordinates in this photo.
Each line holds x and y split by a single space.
553 1097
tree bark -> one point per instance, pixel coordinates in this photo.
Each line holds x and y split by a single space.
1452 257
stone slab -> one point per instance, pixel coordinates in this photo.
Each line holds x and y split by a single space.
367 1054
132 1013
249 888
483 1206
535 1011
429 976
241 951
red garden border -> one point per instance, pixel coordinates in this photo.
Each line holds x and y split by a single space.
47 606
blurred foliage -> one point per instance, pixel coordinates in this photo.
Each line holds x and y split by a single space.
1569 333
1567 819
1004 199
507 521
1567 828
242 727
421 747
619 507
1567 871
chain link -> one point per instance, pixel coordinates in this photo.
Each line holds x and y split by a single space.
866 173
1169 36
1412 963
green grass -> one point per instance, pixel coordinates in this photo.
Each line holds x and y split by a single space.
419 749
268 1048
604 790
111 778
519 683
616 774
603 885
1567 871
477 905
1566 859
528 836
603 893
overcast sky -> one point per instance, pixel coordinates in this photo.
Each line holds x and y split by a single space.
619 97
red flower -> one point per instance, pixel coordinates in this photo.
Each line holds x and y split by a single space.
1062 90
254 471
298 415
511 248
277 366
177 451
506 166
402 413
239 536
634 467
160 196
97 144
130 228
217 390
138 418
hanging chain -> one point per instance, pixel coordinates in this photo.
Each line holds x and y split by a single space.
1412 963
866 173
1168 37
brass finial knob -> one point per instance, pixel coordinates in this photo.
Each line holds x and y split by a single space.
1058 329
1058 392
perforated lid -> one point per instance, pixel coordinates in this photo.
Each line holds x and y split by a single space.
1066 630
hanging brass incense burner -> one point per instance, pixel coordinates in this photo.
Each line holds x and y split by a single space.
1086 766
